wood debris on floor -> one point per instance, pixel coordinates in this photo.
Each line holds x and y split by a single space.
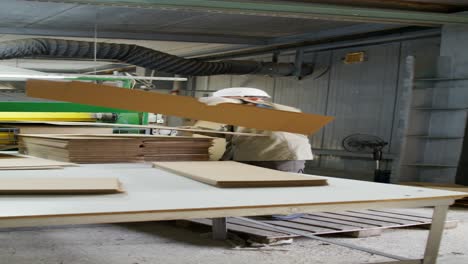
115 148
349 223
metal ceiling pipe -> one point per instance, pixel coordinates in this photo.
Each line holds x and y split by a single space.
143 57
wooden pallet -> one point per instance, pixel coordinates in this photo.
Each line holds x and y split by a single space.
461 202
350 223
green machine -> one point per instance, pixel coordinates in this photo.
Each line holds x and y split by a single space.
18 110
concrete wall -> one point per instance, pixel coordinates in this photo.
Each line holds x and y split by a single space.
363 97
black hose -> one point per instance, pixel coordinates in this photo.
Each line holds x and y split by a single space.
140 56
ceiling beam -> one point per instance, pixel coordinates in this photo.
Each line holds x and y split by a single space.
426 6
290 9
327 44
180 37
306 37
334 32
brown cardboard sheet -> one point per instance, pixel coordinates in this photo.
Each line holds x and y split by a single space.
22 162
183 106
231 174
59 185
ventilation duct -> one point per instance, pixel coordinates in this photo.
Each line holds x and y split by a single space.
142 57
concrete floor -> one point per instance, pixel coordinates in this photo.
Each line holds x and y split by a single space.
153 242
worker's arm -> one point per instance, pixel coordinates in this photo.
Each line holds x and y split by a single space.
206 125
229 151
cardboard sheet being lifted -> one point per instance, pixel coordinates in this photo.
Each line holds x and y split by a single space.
183 106
231 174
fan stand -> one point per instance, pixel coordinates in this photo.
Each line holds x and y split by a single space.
382 176
362 143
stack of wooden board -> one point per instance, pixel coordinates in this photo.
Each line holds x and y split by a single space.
231 174
115 148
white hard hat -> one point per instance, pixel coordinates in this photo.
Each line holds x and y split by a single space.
241 92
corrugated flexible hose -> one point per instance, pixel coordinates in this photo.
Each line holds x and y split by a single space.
140 56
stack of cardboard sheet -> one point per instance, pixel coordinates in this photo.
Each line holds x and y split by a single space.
176 148
9 130
81 149
115 148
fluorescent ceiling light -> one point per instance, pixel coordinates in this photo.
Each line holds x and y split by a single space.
27 76
6 88
73 76
19 74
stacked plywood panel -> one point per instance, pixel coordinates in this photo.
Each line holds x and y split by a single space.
115 148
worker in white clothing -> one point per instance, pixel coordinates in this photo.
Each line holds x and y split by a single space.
276 150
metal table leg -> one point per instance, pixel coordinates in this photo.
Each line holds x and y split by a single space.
219 228
435 234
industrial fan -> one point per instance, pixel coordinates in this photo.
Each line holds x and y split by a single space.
362 143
